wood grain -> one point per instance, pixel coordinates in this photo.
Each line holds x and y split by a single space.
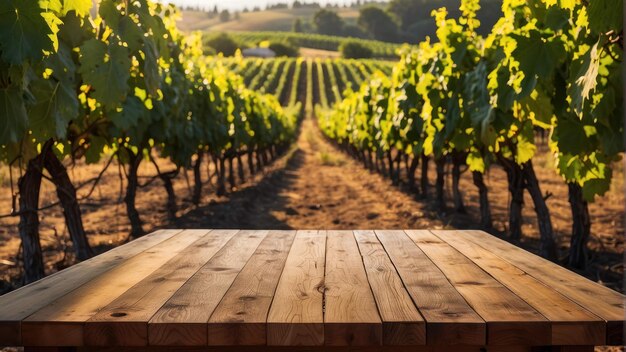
61 322
240 318
600 300
351 316
183 319
402 323
19 304
449 319
510 320
570 323
296 316
124 322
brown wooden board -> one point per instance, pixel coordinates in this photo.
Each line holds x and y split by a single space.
310 290
15 306
510 320
449 319
183 319
124 322
402 323
351 316
296 316
570 323
61 322
240 318
600 300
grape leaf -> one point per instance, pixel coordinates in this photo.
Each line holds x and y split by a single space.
584 79
537 57
24 32
596 186
605 15
80 7
107 69
56 100
12 109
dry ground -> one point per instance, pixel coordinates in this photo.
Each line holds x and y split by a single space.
313 186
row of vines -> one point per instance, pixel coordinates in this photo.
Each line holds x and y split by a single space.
122 86
548 66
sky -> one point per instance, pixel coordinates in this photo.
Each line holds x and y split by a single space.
241 4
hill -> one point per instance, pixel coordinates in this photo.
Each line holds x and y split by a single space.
268 20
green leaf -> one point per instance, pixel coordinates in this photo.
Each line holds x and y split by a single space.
605 15
107 69
13 112
151 68
80 7
475 161
537 57
570 135
596 186
584 78
95 149
24 32
56 100
130 115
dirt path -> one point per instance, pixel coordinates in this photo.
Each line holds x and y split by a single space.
318 188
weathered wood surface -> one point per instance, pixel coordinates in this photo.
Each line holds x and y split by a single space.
257 290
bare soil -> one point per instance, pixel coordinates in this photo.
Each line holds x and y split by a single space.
314 186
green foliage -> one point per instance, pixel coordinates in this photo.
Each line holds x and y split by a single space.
355 50
132 81
316 41
378 23
282 49
328 22
222 43
546 64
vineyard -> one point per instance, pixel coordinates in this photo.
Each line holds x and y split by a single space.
381 50
479 103
118 125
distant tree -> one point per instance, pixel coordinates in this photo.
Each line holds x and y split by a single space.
407 11
224 16
296 4
354 31
297 26
378 23
355 50
328 22
284 49
222 43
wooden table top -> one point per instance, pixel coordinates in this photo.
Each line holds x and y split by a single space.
313 288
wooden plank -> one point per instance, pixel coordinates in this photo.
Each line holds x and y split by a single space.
449 319
296 316
240 318
510 320
307 349
351 317
402 323
19 304
600 300
183 319
61 322
124 322
570 323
